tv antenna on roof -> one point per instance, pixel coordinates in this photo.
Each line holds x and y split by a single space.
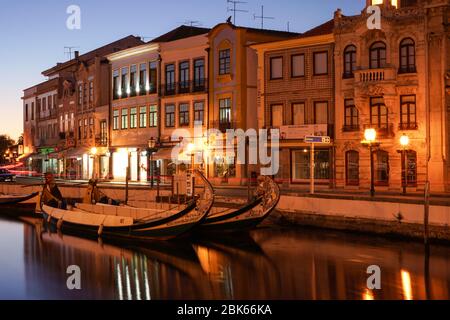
234 9
68 51
192 23
262 17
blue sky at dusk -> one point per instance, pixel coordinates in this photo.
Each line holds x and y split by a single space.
34 33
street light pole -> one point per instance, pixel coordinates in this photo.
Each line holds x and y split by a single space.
372 173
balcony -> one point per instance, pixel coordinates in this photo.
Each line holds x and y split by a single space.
376 75
408 126
351 128
47 114
186 87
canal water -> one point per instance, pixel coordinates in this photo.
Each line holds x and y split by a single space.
268 263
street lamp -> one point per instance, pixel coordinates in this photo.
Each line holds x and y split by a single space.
404 141
151 150
370 135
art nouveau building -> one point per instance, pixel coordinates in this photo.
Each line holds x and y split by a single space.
393 80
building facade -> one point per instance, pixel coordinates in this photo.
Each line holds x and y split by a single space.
296 96
233 92
393 80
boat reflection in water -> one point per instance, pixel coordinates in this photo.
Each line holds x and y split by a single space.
268 263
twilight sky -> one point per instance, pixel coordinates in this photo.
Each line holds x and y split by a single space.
34 33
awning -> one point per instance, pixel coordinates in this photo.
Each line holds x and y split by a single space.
74 153
163 154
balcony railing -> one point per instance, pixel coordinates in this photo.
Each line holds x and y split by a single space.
171 89
408 126
376 75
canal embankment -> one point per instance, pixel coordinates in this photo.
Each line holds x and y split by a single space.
386 215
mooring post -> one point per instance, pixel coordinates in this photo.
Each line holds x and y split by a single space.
426 211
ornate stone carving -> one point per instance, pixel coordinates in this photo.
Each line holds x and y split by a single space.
68 89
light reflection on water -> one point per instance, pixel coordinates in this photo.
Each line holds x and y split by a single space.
268 263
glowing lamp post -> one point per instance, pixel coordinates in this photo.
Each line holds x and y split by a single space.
370 135
404 142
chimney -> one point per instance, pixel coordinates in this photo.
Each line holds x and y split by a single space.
77 54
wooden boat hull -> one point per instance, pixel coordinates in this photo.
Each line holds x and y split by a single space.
13 199
249 216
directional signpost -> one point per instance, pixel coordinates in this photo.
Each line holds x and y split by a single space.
314 140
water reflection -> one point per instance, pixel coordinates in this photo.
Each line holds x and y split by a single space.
265 264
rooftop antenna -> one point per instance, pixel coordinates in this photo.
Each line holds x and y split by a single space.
234 9
192 23
262 17
68 51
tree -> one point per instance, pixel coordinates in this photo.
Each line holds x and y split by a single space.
5 143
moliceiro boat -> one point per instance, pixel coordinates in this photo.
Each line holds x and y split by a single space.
265 200
8 199
128 223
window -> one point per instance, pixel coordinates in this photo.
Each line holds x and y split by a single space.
408 112
381 159
124 82
224 62
301 165
320 63
55 100
378 55
124 124
276 115
184 114
298 113
153 116
116 90
407 56
142 78
116 120
153 77
184 76
85 93
411 168
298 65
91 127
44 104
26 112
170 79
320 112
66 122
49 102
72 122
378 113
199 112
133 80
133 118
225 112
143 117
351 121
103 133
91 91
199 74
80 129
170 116
32 111
85 129
352 168
349 61
276 68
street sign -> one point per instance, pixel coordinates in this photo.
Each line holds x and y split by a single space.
316 139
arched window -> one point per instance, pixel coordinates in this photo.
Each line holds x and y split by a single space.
381 167
349 61
407 56
378 55
411 168
352 168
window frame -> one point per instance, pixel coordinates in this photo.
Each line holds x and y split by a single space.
292 65
351 108
352 51
124 119
197 112
170 116
271 68
352 182
153 116
327 63
409 125
184 115
408 68
143 117
224 62
378 125
378 60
